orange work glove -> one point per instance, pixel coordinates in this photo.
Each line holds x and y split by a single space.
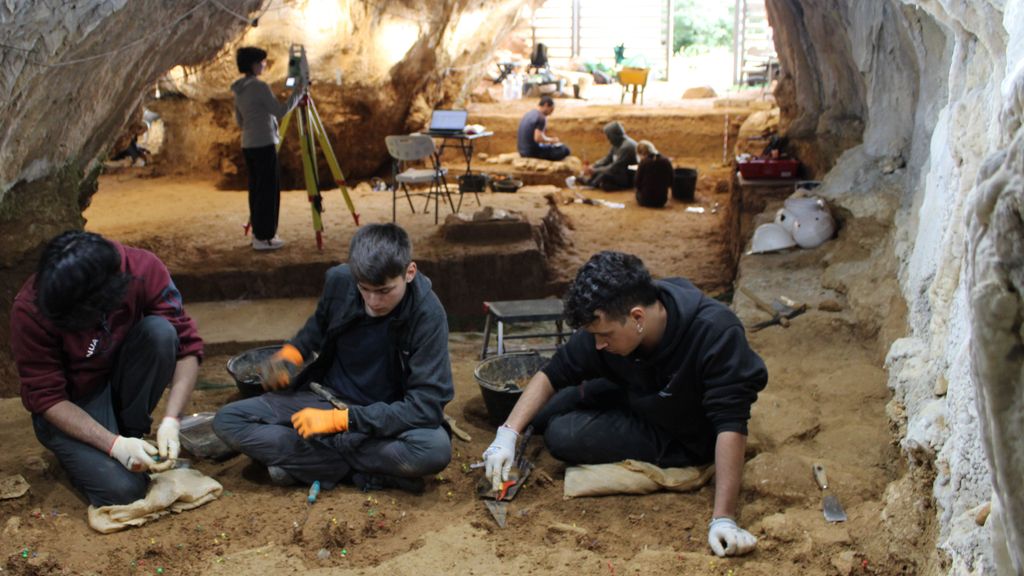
278 370
311 421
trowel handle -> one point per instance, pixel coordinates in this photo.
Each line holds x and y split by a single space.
819 476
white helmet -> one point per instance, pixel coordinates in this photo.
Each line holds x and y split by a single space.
769 238
808 220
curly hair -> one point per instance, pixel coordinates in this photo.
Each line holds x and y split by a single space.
612 282
79 280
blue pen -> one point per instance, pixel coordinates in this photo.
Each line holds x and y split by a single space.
314 491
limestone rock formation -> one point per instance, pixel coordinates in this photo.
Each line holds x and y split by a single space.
906 101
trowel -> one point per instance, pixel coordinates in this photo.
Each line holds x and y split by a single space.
496 501
829 504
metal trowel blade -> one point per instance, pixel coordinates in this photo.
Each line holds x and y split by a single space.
833 509
499 510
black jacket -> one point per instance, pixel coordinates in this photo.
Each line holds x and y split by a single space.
702 380
417 356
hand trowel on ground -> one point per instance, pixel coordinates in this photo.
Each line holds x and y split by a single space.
829 504
497 501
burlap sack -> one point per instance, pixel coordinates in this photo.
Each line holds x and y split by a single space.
632 477
172 491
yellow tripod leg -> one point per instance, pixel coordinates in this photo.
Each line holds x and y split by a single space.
317 127
311 186
283 128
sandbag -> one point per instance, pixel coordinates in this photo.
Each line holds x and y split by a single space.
171 491
632 477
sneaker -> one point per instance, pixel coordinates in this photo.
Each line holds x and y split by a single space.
272 244
280 477
370 482
570 182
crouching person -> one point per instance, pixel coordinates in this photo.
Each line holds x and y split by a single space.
380 338
656 372
98 333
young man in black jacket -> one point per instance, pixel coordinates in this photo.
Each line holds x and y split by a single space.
381 339
659 373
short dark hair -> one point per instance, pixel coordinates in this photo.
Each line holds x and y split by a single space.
79 280
612 282
249 56
546 101
378 253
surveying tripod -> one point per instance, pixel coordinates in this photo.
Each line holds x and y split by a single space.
311 131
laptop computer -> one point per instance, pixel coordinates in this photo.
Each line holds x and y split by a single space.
448 121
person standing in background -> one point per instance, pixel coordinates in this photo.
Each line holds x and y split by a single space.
258 111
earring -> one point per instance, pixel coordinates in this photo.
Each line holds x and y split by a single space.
639 328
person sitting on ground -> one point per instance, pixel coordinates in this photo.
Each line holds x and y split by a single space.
532 141
98 333
380 341
257 112
612 172
653 176
137 154
659 372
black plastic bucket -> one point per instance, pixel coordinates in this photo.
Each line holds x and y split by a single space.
245 369
501 379
684 183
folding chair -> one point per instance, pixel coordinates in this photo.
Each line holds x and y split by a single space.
412 148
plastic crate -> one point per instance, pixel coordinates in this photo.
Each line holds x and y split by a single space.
769 169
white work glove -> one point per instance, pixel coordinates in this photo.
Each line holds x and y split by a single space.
167 438
728 539
499 456
135 454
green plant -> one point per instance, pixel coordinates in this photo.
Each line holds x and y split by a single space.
706 23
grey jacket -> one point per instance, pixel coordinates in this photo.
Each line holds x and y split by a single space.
621 154
417 355
257 111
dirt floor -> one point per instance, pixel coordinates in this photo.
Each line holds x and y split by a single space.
825 402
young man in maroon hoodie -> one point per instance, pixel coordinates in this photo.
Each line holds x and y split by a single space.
98 333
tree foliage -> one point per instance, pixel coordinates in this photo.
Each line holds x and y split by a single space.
702 23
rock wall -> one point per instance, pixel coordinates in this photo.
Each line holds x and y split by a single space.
377 68
936 86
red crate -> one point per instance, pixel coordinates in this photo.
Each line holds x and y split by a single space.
769 169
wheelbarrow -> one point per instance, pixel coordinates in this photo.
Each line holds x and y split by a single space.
635 78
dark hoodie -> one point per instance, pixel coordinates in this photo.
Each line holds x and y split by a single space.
620 156
701 381
417 355
258 111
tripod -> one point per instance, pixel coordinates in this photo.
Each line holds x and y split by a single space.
311 131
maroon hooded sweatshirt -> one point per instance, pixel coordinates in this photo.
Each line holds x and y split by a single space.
55 365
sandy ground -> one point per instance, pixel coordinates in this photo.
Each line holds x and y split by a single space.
191 225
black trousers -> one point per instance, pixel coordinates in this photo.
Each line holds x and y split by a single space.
550 151
592 424
145 365
264 190
609 181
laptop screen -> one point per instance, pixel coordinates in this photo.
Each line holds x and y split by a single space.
448 120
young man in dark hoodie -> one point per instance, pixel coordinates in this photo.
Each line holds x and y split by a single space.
380 339
659 373
98 333
612 172
257 112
